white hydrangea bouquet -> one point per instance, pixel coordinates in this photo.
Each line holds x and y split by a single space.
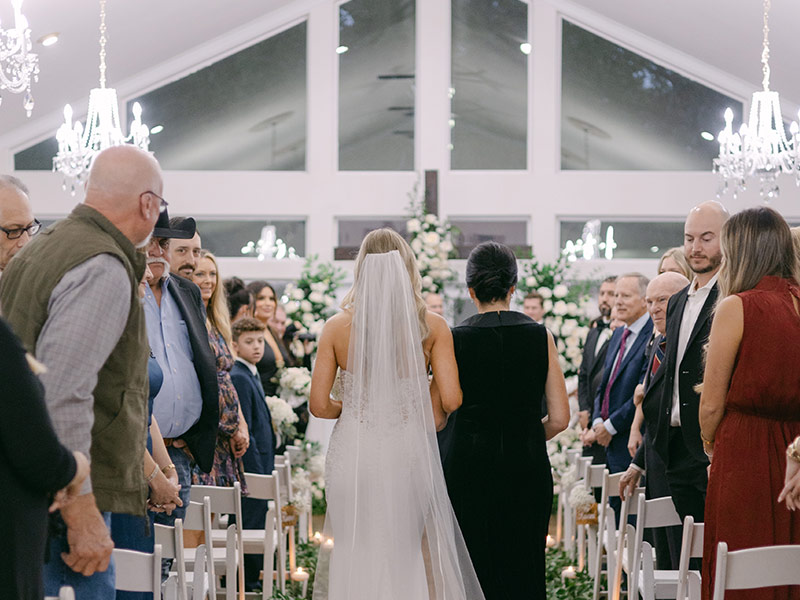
431 240
309 470
569 439
564 308
283 419
295 384
312 298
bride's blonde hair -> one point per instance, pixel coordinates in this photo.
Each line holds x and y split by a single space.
381 241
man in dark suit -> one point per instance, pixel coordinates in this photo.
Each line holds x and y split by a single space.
187 406
647 397
590 373
677 437
624 369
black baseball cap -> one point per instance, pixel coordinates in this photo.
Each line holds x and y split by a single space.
182 228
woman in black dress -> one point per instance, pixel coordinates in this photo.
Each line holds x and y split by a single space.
33 467
497 469
276 355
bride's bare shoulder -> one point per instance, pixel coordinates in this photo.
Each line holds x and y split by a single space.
339 322
437 325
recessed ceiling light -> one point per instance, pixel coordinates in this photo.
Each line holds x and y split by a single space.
707 136
342 49
156 129
525 48
48 40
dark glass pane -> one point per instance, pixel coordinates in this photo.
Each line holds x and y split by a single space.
376 85
471 233
38 157
633 239
490 47
246 112
622 111
228 237
353 231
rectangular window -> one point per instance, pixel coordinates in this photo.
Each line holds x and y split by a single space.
627 239
471 232
353 231
622 111
227 237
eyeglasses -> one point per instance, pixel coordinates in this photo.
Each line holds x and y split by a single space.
15 234
164 203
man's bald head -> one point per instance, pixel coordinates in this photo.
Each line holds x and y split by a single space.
659 291
125 185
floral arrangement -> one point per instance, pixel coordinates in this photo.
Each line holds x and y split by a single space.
569 439
295 384
283 418
312 298
581 499
309 466
431 240
564 308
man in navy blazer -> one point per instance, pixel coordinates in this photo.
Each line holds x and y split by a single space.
624 369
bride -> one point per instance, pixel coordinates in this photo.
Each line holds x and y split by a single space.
394 532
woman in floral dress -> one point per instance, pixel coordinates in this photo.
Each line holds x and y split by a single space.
233 437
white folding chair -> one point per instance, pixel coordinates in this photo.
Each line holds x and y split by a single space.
138 571
591 478
283 468
752 568
230 557
266 541
606 533
565 516
170 538
65 593
691 547
198 517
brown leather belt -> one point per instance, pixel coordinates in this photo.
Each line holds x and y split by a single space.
177 442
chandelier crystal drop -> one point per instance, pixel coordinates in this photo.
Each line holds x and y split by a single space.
78 145
18 65
760 148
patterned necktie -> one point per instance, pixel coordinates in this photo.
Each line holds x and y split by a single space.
604 412
658 355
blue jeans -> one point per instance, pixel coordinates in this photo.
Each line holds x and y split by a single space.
183 466
100 586
130 533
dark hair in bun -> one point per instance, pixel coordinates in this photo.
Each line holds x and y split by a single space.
491 271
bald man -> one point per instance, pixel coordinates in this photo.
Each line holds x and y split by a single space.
434 302
677 437
71 296
17 225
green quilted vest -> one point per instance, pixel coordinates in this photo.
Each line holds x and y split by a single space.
120 397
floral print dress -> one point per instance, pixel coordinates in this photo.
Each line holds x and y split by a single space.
227 469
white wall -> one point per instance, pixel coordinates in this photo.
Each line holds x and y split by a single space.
321 194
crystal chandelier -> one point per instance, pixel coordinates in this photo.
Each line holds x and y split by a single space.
17 64
78 145
269 246
760 147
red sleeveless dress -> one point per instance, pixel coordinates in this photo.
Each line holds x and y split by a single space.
762 417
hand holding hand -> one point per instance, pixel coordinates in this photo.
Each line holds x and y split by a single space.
583 418
69 493
634 441
638 394
602 434
240 441
791 488
164 493
88 537
628 482
588 437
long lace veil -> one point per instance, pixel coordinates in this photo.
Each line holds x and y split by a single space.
395 534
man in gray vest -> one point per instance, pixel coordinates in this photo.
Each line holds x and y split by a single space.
17 225
71 296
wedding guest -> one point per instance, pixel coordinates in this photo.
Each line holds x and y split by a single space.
434 302
71 297
647 398
232 435
17 223
276 355
590 372
30 474
674 260
248 343
748 408
187 405
499 436
279 322
796 242
676 439
533 306
184 253
240 299
624 369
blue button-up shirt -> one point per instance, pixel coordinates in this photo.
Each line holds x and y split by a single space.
178 404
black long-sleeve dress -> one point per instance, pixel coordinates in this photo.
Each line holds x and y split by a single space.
497 461
33 466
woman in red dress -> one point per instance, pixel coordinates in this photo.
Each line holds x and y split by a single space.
750 404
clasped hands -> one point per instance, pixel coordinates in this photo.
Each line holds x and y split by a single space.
164 492
598 434
240 440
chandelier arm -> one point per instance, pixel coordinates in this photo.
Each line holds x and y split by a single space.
765 47
102 43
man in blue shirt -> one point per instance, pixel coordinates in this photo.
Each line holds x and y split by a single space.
187 406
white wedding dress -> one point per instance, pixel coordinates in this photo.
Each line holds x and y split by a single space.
394 533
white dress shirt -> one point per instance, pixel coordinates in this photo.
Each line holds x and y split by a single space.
635 328
251 367
694 304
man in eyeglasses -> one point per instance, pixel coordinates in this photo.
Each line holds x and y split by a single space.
17 225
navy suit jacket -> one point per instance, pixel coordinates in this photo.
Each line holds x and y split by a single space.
631 373
260 455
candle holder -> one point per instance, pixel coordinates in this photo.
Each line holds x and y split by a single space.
301 576
568 573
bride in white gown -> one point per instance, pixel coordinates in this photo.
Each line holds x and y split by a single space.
394 532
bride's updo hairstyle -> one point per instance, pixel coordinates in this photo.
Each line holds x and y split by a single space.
381 241
491 271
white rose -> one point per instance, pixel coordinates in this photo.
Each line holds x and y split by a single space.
416 245
572 309
446 246
545 292
423 262
432 219
562 362
530 281
560 346
316 297
547 305
306 307
560 308
431 251
297 294
308 319
440 230
328 301
560 291
316 327
557 321
413 225
568 328
427 281
431 238
292 307
319 286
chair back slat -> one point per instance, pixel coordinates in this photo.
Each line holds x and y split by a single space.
753 568
223 499
660 512
138 571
